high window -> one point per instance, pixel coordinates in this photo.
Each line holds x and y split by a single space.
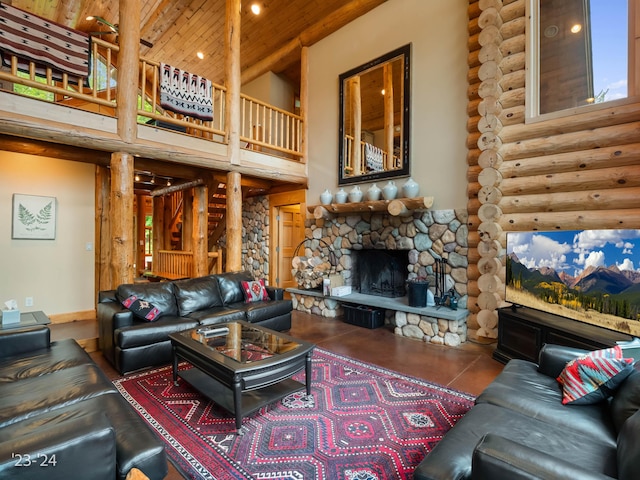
581 53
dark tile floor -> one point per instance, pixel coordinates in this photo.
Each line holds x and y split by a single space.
468 368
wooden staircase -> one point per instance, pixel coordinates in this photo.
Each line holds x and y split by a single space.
216 216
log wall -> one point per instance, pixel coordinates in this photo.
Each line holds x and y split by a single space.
579 171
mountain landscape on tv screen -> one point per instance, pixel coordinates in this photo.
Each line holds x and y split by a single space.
608 296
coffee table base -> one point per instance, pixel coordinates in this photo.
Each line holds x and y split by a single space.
250 401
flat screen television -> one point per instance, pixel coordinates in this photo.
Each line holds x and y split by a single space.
592 276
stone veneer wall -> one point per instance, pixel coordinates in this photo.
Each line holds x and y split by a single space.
426 236
255 236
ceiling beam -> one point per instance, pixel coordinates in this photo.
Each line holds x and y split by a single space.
53 150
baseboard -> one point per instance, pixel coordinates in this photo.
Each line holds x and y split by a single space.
73 316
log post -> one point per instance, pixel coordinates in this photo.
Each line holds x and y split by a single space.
304 103
200 217
140 228
122 247
103 230
128 67
233 79
167 215
158 228
188 220
234 222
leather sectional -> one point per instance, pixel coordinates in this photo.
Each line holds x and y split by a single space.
130 343
519 429
61 417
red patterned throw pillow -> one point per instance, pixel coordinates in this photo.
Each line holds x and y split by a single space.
254 291
593 377
141 308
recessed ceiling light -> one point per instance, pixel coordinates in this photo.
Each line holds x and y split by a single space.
576 28
200 55
255 8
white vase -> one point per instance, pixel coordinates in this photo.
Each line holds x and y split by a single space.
326 197
374 193
410 188
355 195
390 190
341 196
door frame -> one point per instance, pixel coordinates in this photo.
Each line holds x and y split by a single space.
277 200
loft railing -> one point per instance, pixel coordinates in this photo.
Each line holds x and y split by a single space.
149 84
87 88
264 127
172 264
270 128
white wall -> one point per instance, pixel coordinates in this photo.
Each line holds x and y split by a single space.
58 274
437 30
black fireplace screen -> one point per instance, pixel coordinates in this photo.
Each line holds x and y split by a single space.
382 273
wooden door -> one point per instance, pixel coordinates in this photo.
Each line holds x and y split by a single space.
290 232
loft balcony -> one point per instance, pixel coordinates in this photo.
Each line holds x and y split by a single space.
87 114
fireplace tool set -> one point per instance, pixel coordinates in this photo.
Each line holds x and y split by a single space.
441 297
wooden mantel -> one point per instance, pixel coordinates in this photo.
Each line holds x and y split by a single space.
399 206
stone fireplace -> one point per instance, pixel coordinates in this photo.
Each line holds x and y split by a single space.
400 248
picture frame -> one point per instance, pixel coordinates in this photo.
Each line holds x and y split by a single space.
34 217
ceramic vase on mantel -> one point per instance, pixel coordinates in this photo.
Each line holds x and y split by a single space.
355 195
390 190
410 188
374 193
326 197
341 196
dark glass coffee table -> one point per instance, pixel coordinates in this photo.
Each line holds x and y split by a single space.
240 366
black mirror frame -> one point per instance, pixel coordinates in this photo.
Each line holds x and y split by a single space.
406 115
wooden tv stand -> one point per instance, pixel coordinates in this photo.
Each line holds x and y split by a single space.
522 332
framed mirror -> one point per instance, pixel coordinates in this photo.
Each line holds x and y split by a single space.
374 127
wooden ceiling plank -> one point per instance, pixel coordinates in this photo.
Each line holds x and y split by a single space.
334 21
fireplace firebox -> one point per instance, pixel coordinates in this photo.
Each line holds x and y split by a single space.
381 272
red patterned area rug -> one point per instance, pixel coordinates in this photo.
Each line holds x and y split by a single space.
362 423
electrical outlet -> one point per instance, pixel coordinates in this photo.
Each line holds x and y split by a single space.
28 302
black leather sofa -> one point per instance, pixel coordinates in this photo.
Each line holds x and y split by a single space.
131 344
519 429
61 417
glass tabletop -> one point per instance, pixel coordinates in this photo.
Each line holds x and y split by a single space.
242 342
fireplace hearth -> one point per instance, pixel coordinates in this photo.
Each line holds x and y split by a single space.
381 272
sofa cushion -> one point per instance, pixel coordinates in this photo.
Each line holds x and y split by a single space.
62 354
451 458
146 333
195 294
142 309
261 311
521 388
254 291
629 449
626 400
215 315
593 377
230 287
160 294
32 396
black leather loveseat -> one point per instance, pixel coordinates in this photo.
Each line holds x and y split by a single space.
519 429
131 343
61 417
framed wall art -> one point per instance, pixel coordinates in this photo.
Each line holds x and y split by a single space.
34 217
